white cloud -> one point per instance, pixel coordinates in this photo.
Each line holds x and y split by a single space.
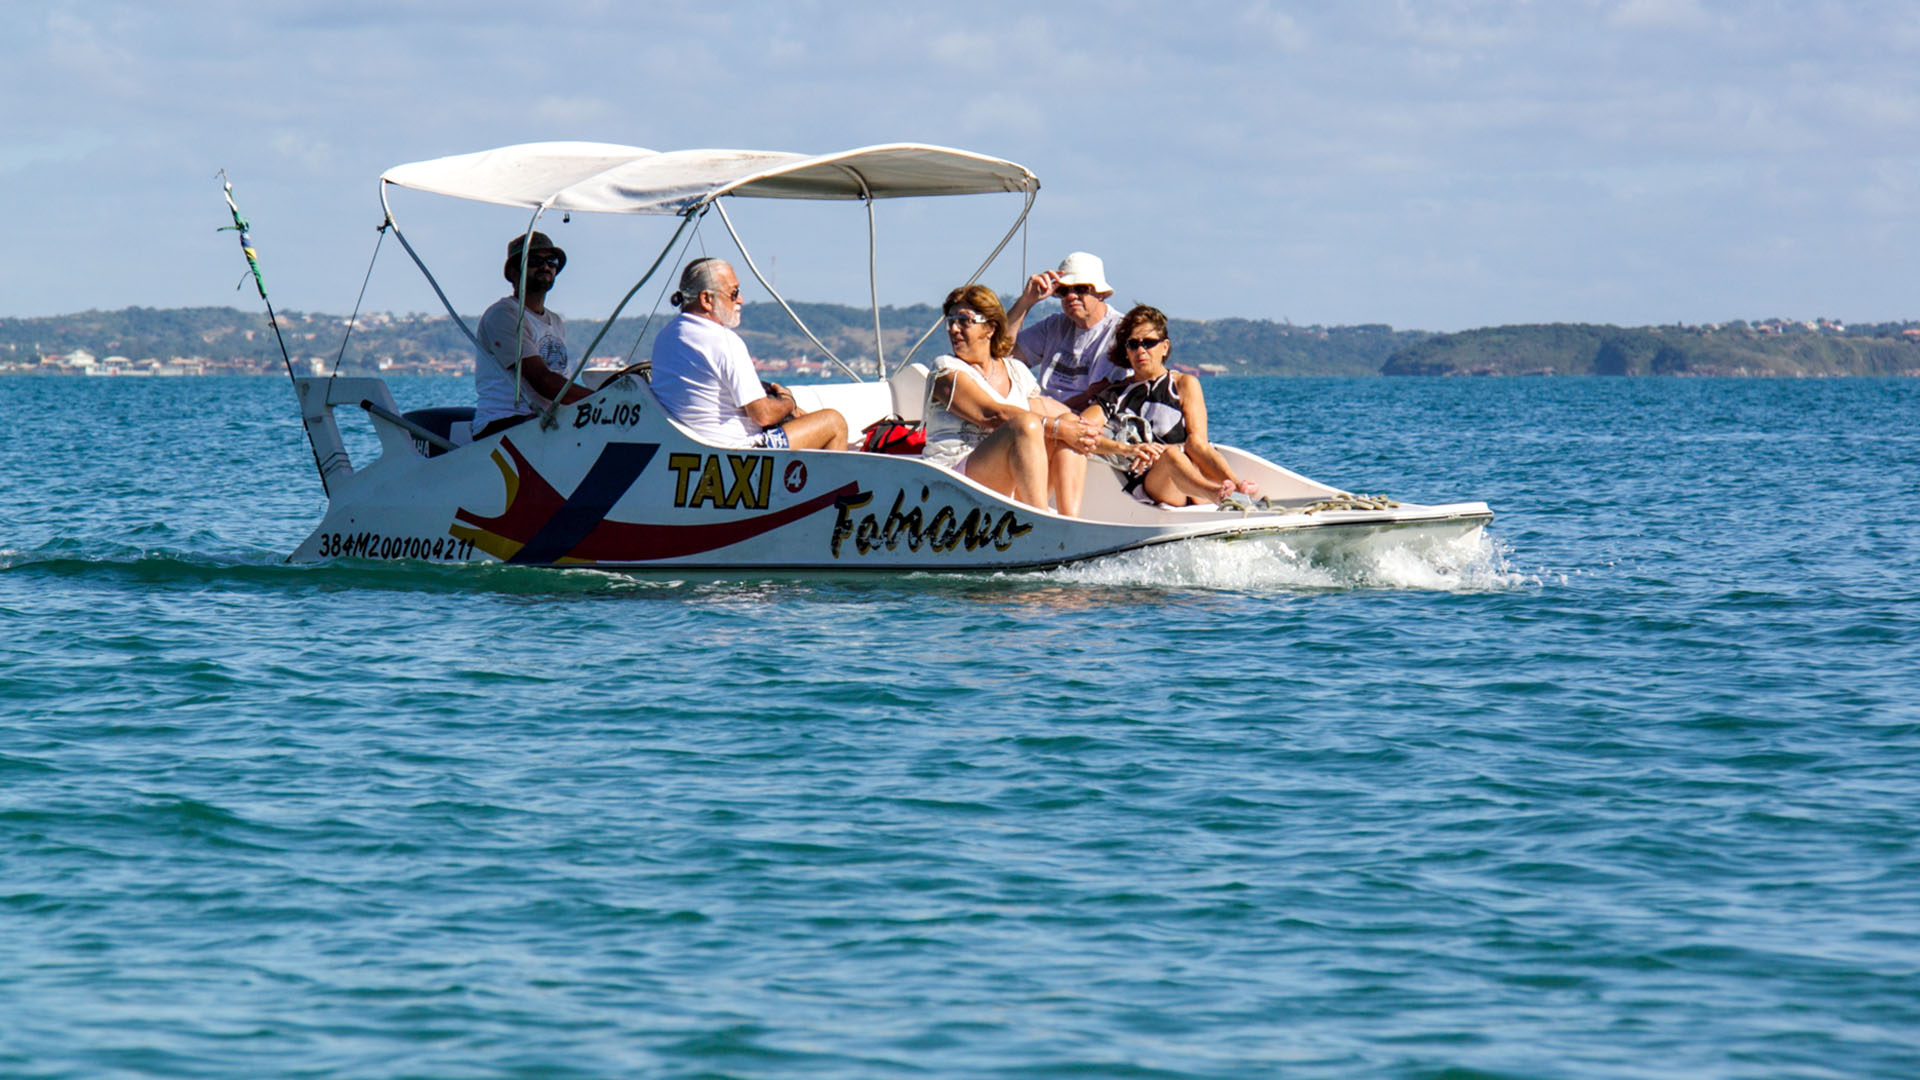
961 48
1660 15
580 114
304 151
1275 28
64 149
1438 160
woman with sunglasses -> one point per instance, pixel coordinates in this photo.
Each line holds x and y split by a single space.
986 418
1154 425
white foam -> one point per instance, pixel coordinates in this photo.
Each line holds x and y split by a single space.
1475 562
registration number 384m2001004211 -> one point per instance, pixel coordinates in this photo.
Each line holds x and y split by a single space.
368 545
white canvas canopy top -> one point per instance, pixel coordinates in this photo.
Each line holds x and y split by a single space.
608 178
612 179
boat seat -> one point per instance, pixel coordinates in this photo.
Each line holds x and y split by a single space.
451 422
909 386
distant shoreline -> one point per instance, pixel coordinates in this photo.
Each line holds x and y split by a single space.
188 342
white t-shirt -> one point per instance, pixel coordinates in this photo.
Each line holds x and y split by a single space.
544 336
949 437
1066 359
704 378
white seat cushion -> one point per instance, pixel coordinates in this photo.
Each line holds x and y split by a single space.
909 386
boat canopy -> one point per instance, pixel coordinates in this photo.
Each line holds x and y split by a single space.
609 178
612 179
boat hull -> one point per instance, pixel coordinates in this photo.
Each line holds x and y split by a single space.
615 483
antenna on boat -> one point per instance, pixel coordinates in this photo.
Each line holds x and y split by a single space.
242 226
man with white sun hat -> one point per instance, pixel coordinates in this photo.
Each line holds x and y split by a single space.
1068 351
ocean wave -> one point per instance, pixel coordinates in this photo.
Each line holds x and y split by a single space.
69 559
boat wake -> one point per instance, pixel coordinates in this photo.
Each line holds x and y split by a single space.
1472 563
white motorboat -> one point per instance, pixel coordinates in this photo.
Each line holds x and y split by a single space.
612 481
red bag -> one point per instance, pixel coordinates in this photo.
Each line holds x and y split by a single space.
894 436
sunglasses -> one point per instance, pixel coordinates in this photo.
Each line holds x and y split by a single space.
1143 343
974 319
731 298
1073 290
546 258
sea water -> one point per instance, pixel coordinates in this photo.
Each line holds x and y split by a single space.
1627 787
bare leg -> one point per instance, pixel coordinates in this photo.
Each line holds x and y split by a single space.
1213 465
1067 477
1175 480
1013 460
1067 469
822 429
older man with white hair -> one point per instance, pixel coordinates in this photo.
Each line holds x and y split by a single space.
704 377
1068 351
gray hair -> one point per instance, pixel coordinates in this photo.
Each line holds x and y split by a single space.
700 275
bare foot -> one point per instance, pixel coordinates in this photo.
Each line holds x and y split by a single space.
1226 488
1249 488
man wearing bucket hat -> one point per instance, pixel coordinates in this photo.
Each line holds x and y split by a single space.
535 339
1068 351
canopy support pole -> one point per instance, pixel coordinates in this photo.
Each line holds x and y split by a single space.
1004 241
873 280
520 316
791 314
357 301
519 384
428 274
546 418
480 351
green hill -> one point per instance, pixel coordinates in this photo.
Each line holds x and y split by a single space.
1775 347
234 340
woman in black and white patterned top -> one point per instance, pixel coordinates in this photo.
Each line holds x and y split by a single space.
1154 425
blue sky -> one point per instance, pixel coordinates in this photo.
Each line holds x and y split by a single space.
1436 165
